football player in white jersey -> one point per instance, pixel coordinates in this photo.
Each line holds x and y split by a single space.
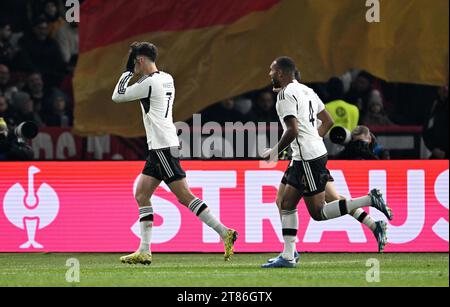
378 228
299 108
156 92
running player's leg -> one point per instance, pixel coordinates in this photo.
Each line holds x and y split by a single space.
341 207
201 210
315 204
145 188
197 206
279 198
317 179
289 220
331 193
175 177
320 210
359 214
378 228
278 201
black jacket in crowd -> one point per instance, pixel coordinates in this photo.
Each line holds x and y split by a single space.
357 150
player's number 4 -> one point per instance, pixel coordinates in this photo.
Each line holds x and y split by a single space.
311 114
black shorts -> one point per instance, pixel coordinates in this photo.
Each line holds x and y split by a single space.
163 165
309 177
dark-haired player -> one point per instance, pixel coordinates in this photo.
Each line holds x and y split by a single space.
299 110
156 92
378 228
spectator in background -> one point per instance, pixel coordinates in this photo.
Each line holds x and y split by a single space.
6 49
35 88
360 91
67 38
53 16
264 108
39 93
25 109
222 112
6 89
436 129
375 115
8 44
58 115
42 54
343 113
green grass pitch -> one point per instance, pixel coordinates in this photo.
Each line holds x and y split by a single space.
200 270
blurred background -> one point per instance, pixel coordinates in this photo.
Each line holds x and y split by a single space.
390 76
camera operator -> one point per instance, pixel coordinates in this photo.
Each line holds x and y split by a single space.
12 142
361 145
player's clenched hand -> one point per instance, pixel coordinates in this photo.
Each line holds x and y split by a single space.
131 57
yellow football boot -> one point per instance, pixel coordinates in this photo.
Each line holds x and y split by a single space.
228 242
137 258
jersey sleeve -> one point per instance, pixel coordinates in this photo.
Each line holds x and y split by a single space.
125 93
288 104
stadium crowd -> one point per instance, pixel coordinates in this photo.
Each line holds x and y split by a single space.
38 54
39 51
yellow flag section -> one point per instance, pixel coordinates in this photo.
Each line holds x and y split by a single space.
211 62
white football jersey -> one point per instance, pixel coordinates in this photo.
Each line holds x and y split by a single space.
302 102
156 93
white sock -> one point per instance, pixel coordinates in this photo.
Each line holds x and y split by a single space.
342 207
364 218
146 236
289 222
199 208
359 202
146 226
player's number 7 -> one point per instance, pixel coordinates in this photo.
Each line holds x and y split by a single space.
169 98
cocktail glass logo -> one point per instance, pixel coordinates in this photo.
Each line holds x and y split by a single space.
32 210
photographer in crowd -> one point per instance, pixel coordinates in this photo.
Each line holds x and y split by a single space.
13 146
360 144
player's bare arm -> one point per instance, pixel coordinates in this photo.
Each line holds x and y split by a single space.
327 122
289 135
